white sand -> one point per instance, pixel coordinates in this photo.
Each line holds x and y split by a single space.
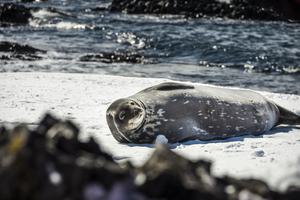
84 98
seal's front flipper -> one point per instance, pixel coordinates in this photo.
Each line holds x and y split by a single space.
287 117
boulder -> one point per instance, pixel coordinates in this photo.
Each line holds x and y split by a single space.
16 48
51 162
14 51
234 9
114 57
14 14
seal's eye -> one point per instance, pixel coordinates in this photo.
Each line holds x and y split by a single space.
122 115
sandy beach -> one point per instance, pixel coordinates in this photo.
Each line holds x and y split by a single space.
84 98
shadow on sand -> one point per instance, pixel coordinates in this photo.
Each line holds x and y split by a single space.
275 130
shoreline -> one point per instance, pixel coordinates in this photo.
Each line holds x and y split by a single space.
83 98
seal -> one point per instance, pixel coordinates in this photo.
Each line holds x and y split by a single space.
182 112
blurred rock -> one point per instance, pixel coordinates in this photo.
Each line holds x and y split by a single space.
169 176
50 162
166 175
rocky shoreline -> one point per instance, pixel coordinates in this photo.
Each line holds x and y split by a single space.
50 162
268 10
14 14
14 50
132 49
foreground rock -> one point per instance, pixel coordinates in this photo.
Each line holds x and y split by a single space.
236 9
14 14
50 162
14 50
167 175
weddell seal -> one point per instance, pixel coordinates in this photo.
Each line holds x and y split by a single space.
184 112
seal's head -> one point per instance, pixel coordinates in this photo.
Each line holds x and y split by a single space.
125 117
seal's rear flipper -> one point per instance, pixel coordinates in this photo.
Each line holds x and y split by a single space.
287 117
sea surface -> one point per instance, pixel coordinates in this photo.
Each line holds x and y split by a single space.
250 54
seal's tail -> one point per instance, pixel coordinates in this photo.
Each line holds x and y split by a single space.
288 117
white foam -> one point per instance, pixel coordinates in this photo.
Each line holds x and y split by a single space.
60 25
186 102
131 39
43 13
68 25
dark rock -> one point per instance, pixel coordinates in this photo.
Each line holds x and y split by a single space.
169 176
19 49
255 9
114 57
26 57
100 8
3 135
292 193
236 9
51 162
268 68
183 7
253 187
15 14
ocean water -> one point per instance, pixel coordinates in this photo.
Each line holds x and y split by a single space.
250 54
